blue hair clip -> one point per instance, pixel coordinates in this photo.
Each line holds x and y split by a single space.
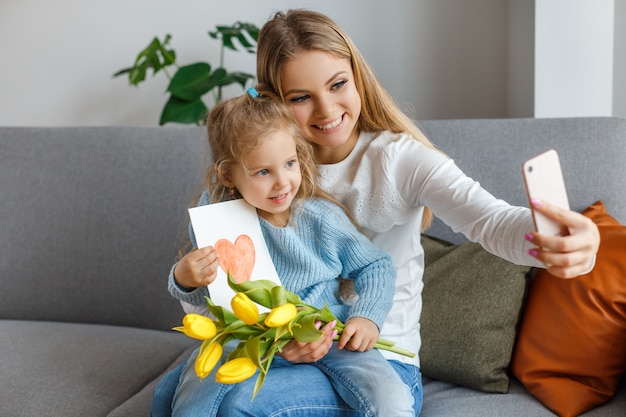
252 91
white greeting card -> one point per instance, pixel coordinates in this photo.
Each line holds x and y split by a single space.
233 228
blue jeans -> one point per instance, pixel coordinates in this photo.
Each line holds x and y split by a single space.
289 390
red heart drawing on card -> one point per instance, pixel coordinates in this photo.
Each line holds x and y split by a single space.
237 258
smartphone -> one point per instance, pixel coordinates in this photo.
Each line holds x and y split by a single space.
543 179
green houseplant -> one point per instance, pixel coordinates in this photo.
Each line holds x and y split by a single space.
190 83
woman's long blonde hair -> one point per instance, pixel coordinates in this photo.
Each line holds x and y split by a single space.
287 34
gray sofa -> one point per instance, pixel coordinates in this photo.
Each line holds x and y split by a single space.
90 223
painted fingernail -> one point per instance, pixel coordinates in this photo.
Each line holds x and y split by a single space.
528 237
318 324
332 324
535 202
330 345
533 252
334 334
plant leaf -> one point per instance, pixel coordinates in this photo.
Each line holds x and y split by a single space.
240 78
191 81
155 56
177 110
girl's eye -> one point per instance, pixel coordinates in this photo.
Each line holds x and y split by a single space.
338 85
291 163
262 173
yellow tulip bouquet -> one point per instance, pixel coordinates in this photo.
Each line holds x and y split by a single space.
261 335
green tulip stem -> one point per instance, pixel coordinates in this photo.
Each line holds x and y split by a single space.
387 345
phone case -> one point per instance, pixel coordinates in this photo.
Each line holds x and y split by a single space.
543 179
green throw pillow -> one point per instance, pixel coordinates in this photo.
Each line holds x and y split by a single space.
472 301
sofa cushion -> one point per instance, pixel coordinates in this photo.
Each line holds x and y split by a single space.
471 305
63 369
571 350
444 399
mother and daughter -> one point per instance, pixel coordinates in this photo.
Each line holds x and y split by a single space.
376 162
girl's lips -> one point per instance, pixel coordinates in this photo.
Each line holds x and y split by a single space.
279 198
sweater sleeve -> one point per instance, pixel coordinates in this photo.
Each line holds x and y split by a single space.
195 297
371 269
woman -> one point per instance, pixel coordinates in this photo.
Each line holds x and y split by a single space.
375 161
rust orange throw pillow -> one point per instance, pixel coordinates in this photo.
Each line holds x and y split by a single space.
571 347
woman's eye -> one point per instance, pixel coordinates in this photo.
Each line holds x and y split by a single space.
338 84
298 99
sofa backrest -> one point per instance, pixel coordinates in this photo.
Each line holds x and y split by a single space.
91 217
592 153
90 220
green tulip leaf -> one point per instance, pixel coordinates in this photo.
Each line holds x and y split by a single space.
258 384
249 285
261 296
279 296
237 352
257 347
223 315
304 329
325 315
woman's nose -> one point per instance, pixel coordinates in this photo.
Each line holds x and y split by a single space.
323 106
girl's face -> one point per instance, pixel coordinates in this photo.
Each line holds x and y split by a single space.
321 90
270 176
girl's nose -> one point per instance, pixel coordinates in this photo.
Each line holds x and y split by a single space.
281 179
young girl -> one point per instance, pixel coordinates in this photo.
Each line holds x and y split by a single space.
260 154
377 162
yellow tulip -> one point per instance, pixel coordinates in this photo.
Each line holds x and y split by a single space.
281 315
198 327
207 359
245 309
235 370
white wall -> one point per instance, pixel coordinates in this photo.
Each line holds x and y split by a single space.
574 57
439 58
619 73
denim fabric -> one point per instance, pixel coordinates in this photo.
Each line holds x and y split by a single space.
197 397
367 382
412 377
289 390
163 394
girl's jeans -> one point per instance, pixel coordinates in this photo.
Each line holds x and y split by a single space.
291 389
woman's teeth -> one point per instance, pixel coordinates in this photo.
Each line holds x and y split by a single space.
330 125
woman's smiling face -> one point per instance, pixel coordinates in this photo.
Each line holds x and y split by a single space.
321 91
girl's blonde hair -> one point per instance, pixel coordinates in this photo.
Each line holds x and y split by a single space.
237 126
287 34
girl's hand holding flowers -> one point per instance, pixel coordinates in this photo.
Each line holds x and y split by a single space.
263 335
